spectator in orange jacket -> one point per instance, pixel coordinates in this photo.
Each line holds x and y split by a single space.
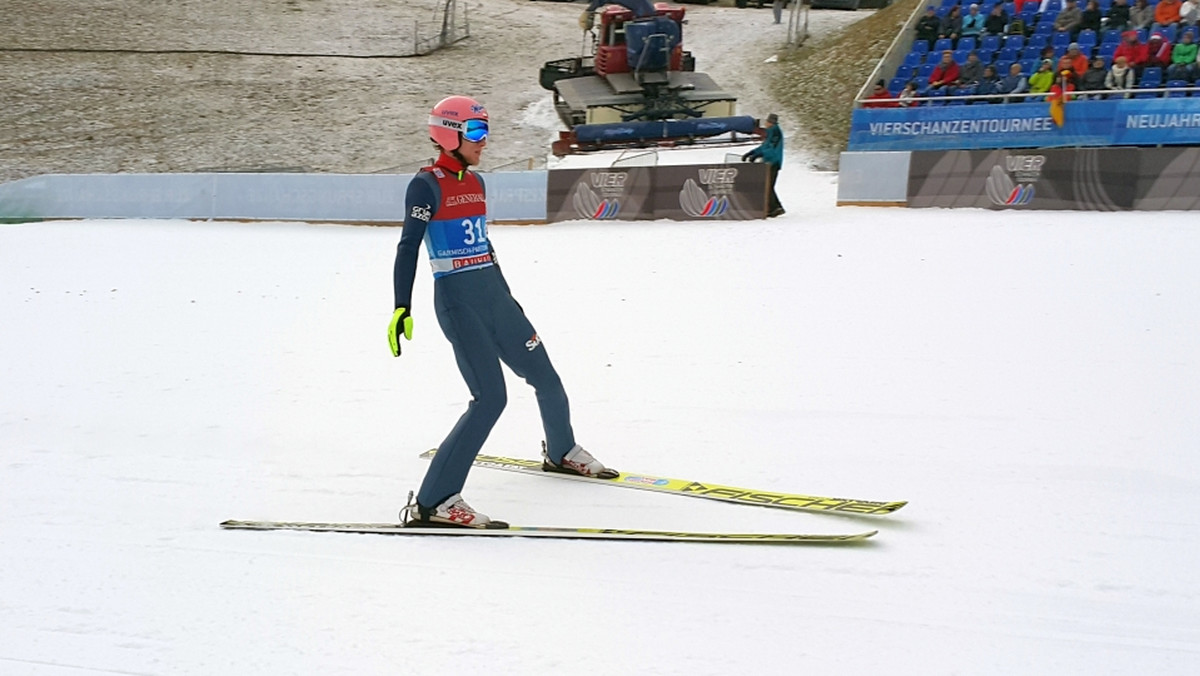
1167 12
946 72
1073 60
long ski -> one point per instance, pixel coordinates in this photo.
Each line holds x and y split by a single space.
697 489
557 533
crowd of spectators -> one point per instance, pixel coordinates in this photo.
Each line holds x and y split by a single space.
1023 50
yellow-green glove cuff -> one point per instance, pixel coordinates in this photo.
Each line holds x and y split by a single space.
401 323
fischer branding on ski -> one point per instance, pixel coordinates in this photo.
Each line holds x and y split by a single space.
744 496
555 533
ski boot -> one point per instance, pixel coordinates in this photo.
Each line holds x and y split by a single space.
453 512
578 462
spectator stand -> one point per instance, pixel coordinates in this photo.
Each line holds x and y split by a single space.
909 59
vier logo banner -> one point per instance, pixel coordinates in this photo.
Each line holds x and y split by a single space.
1098 179
734 192
693 192
597 194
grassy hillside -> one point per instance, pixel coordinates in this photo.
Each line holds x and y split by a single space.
817 82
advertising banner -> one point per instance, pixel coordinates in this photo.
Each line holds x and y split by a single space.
722 191
1157 121
1104 179
1169 178
712 191
598 194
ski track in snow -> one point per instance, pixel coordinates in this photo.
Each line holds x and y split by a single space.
1026 380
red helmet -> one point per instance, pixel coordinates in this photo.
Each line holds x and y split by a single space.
449 118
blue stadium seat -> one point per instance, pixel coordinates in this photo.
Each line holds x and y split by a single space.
1107 51
1029 66
905 72
960 56
967 43
990 43
1010 8
1038 40
1143 35
1179 88
914 59
1151 77
1031 52
920 46
1087 39
896 85
939 96
1008 55
1014 42
1061 39
1002 66
924 71
1170 33
1043 27
942 45
1111 36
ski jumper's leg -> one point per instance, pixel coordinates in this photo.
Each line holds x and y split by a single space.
522 349
478 361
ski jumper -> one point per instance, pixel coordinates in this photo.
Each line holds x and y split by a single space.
445 207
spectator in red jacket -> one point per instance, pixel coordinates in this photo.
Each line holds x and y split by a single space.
1064 83
946 73
880 97
1132 49
1158 52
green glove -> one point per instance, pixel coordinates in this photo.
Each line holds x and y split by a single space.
401 324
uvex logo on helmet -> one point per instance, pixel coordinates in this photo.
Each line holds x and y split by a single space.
449 117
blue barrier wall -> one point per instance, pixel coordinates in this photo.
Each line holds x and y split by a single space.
518 196
1116 122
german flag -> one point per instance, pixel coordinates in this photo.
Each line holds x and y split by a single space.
1058 97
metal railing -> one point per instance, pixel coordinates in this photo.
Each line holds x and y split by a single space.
1031 97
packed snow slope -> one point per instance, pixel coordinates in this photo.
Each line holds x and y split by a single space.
1029 381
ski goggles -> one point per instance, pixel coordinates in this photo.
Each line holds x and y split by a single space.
471 130
475 130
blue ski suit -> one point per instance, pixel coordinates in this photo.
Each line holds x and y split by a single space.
446 208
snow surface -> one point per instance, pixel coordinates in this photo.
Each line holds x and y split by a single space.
1028 380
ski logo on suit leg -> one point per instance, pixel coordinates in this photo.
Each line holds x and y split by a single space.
533 343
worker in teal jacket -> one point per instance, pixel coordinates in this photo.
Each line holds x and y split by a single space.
771 152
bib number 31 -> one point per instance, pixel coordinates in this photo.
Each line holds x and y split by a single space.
474 231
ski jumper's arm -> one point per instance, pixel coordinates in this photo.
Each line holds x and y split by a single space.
420 202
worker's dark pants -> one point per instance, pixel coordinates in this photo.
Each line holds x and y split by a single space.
774 203
486 326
